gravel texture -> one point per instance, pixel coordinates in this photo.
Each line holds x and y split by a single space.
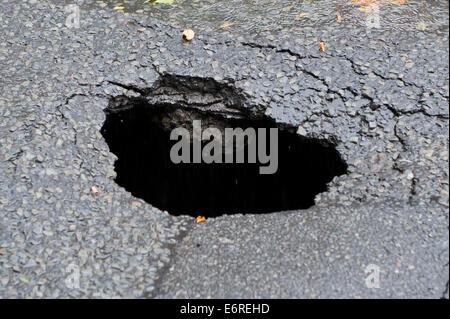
380 97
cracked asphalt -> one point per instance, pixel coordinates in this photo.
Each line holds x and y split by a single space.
380 96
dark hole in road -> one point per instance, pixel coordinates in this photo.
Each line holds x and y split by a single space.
138 137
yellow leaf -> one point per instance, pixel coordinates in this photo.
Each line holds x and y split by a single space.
301 14
118 8
422 26
24 280
160 1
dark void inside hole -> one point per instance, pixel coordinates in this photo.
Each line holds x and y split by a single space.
145 169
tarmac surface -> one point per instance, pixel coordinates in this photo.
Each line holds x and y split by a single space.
380 96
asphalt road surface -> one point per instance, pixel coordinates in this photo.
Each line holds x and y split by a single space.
380 96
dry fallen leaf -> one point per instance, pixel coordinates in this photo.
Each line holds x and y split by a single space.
94 190
170 2
301 14
372 2
339 18
398 263
200 219
188 34
440 181
365 2
322 46
226 25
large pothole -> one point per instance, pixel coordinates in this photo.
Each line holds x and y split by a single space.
138 133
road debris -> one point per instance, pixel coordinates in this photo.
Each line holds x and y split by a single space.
225 25
94 190
188 34
302 14
322 46
200 219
